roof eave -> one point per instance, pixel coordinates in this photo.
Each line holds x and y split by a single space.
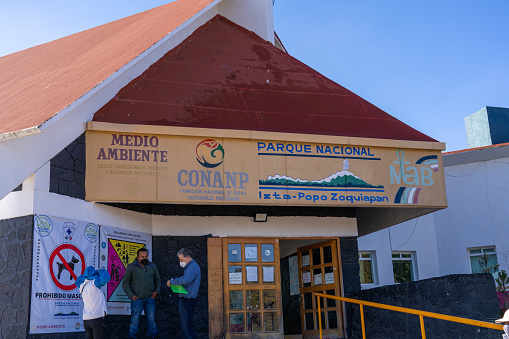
21 133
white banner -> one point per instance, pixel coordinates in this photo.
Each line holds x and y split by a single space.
62 250
118 249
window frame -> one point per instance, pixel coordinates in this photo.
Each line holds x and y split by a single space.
374 270
413 261
482 248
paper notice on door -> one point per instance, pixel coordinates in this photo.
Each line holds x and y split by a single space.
251 252
235 278
305 260
329 278
251 273
268 273
306 277
318 278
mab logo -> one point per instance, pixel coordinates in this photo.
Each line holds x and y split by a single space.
414 175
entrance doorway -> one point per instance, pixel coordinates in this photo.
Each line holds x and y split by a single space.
265 288
319 273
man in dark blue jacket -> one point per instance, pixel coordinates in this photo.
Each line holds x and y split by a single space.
191 282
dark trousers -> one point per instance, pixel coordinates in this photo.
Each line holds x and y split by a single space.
186 311
95 328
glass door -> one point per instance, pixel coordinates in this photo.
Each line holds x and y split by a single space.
319 273
252 285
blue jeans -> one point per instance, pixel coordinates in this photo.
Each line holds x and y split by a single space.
186 311
149 305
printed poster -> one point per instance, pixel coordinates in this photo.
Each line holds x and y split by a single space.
63 248
118 249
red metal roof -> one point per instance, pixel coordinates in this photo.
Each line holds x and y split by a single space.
226 77
37 83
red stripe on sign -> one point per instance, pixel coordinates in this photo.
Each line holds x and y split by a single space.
67 265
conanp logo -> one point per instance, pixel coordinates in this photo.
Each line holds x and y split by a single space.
209 153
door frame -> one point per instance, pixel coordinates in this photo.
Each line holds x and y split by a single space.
338 285
217 318
244 287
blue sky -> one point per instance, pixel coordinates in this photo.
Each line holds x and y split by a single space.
428 63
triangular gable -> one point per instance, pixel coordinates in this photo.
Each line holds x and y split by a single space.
225 77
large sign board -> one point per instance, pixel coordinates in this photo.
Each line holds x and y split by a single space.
62 250
202 170
118 249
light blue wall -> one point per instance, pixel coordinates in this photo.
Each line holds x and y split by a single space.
478 129
488 126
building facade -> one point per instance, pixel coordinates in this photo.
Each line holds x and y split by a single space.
209 137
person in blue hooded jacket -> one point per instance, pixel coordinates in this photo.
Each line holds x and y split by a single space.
94 304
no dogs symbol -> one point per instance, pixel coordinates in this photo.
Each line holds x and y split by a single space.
66 264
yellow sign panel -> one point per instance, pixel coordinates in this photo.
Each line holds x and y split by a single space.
199 170
125 251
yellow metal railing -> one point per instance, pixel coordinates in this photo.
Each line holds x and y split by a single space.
421 314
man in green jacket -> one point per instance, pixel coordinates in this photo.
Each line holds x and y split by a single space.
142 284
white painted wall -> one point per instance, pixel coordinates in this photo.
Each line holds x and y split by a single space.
245 226
411 236
256 16
35 198
477 216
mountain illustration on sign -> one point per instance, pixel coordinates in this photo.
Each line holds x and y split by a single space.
344 178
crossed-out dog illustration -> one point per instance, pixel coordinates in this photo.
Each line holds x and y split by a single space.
62 267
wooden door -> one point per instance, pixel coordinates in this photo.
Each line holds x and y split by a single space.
319 272
252 288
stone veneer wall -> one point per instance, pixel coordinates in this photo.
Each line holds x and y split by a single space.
291 303
16 242
67 170
470 296
351 279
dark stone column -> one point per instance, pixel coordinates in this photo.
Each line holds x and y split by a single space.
291 303
351 279
16 242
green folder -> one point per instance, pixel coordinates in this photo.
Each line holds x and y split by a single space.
178 289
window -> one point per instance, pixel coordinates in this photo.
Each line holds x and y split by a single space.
403 267
483 260
367 267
